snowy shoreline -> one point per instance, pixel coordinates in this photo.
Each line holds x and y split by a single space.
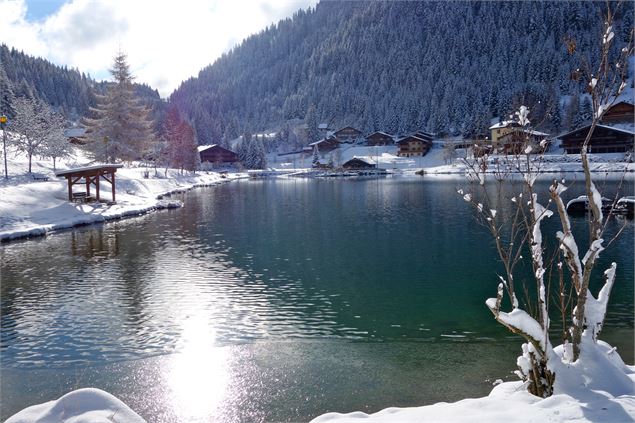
32 208
93 214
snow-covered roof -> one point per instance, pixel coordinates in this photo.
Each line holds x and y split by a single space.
411 136
87 168
323 126
348 127
626 128
323 140
205 147
532 132
380 133
364 159
503 124
77 131
425 133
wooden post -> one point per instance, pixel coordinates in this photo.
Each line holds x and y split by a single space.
70 188
112 177
97 178
87 177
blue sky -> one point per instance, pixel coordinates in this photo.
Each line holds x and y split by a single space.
39 9
167 41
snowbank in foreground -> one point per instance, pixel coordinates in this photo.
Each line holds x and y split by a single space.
88 405
33 208
598 387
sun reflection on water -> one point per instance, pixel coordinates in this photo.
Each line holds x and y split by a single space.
198 375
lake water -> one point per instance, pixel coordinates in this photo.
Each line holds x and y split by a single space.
272 301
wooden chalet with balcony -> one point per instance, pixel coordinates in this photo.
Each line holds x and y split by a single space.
217 156
325 145
621 112
615 134
379 138
517 140
348 134
502 128
413 146
605 139
357 163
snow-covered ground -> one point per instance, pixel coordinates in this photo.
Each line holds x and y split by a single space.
555 161
30 207
88 405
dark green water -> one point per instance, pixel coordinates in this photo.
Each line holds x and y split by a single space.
272 301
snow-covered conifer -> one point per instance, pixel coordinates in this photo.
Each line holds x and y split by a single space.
121 128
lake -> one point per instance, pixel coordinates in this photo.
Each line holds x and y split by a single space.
274 300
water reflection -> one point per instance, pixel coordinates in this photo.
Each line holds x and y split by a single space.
250 287
198 377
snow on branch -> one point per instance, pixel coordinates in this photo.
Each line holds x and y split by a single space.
595 309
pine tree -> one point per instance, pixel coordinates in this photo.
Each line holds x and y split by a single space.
6 95
316 156
586 110
122 128
313 133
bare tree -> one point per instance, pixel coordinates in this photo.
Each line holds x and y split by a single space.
56 145
520 231
38 129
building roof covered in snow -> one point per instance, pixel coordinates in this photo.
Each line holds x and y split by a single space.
77 131
504 124
205 147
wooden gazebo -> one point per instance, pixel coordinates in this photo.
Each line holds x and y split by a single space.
90 175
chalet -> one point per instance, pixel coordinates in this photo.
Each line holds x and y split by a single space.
325 145
517 140
321 164
76 135
216 155
360 163
413 146
605 139
502 128
621 112
379 138
348 134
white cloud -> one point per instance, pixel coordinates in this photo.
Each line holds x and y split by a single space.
166 41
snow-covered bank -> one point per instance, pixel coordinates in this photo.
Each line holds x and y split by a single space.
435 162
598 387
88 405
35 208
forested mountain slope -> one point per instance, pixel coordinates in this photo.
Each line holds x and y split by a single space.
68 91
447 67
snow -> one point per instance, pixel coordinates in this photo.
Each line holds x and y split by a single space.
434 163
503 124
595 309
597 387
88 405
35 208
522 114
205 147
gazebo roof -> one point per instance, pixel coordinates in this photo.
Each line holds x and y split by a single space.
87 169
